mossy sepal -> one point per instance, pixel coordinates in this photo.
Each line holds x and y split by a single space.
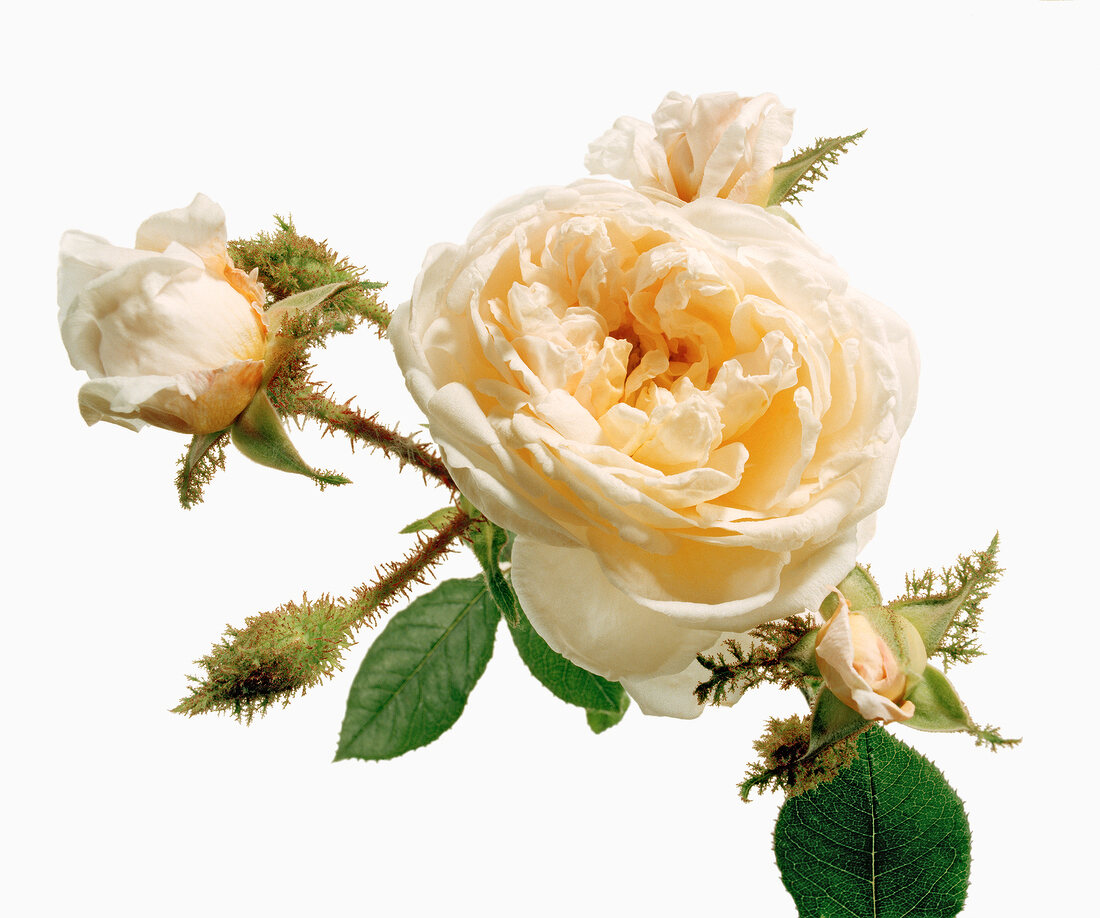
259 433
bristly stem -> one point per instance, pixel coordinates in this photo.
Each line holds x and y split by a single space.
360 427
397 577
282 653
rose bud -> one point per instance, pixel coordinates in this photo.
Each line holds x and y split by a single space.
170 332
719 145
860 668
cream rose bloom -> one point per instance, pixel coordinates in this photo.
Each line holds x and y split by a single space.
170 332
862 671
684 412
720 145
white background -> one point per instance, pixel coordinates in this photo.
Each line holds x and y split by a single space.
970 208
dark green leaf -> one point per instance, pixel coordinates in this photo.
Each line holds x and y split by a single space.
568 681
886 838
415 679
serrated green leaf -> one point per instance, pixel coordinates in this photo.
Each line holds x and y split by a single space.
832 720
571 683
794 176
415 679
437 519
886 838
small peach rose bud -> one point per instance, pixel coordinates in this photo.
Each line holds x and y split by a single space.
861 669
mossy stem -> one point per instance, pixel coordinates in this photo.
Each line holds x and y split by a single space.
397 577
367 430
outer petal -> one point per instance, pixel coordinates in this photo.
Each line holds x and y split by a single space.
674 695
160 315
85 258
200 227
203 401
583 617
630 151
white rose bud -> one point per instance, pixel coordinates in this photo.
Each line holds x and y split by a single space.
862 671
170 332
720 145
685 413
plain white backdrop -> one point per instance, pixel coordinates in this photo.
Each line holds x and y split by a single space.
970 208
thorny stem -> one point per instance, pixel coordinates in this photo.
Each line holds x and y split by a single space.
397 577
278 654
360 427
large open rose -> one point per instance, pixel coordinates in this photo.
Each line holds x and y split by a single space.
684 412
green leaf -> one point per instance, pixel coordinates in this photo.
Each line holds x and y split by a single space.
598 721
437 519
415 679
886 838
794 176
569 682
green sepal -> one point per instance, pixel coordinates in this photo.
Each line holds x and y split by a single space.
939 709
205 457
932 617
802 655
279 345
488 542
259 433
437 519
832 720
860 589
794 176
889 626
